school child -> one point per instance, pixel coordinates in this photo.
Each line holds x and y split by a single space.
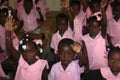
76 16
3 15
30 66
67 68
63 31
95 43
113 28
30 17
112 72
41 4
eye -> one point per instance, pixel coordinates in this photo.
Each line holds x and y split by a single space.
118 61
112 60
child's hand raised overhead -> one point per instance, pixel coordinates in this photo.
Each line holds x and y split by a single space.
64 4
103 3
9 23
76 47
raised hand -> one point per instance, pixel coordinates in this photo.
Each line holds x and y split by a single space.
64 4
103 3
9 23
76 47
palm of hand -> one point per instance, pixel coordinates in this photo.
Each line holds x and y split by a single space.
76 47
9 24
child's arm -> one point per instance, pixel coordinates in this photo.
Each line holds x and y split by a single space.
109 41
68 9
83 60
9 45
40 14
104 22
45 74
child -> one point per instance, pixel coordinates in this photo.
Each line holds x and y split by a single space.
41 4
30 17
3 15
29 66
95 43
78 16
113 28
67 68
112 72
63 31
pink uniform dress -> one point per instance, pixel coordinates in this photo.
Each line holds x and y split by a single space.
30 72
108 75
72 72
41 4
57 37
2 74
15 41
78 24
18 7
113 30
96 50
29 20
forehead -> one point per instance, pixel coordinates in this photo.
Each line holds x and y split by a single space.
115 55
65 48
61 20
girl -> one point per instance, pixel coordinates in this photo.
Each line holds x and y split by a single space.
30 17
95 43
67 68
3 15
63 31
113 28
112 72
29 65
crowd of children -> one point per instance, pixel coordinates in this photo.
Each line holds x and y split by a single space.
86 43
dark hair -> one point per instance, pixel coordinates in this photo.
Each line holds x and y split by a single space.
115 3
75 2
28 0
65 42
93 19
92 2
113 50
4 11
26 40
61 16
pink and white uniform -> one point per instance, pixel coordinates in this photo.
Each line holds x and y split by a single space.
108 75
30 20
56 37
113 30
78 25
96 50
72 71
30 72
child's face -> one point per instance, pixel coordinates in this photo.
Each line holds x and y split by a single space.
114 62
62 25
29 54
66 54
116 11
95 7
75 10
28 6
94 28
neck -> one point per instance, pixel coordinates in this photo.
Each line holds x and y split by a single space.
116 18
64 66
